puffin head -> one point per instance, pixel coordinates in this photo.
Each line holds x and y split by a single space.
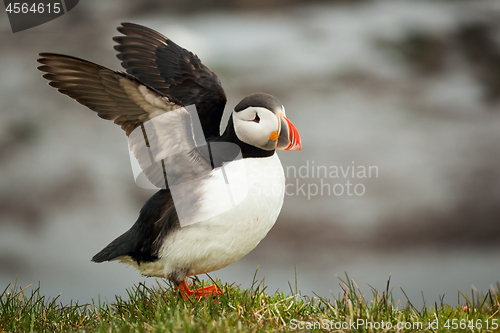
260 121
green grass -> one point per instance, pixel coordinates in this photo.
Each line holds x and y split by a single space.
160 309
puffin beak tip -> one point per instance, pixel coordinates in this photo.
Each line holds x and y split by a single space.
289 138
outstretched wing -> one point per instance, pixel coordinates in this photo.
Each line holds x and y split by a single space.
162 133
165 66
113 95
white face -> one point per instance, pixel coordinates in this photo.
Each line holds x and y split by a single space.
254 125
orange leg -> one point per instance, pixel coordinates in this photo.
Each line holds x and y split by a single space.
198 293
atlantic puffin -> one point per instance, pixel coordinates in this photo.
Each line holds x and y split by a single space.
162 77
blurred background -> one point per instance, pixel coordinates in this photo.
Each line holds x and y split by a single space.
409 90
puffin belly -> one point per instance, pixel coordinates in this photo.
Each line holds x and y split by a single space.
225 238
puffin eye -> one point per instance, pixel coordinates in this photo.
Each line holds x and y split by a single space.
257 118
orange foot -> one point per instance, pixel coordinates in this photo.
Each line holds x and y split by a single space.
212 290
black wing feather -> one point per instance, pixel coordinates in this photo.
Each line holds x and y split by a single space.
165 66
98 88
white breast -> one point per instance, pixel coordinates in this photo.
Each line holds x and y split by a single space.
225 238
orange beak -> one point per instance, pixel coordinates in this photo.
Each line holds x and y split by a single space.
289 138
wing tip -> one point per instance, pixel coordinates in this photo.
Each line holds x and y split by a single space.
44 57
128 24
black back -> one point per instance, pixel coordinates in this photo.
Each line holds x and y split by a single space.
143 241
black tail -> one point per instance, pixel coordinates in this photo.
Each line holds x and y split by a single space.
121 246
133 243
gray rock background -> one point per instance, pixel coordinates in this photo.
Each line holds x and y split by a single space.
411 88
